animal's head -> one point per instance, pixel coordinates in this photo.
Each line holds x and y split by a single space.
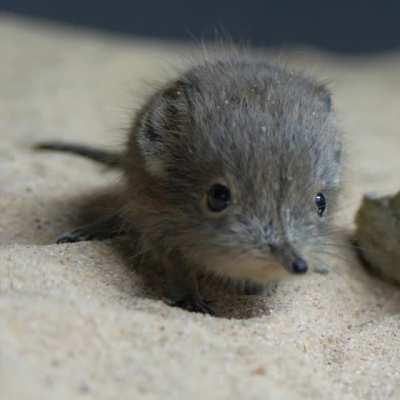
242 162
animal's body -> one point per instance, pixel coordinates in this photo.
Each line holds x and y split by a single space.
231 169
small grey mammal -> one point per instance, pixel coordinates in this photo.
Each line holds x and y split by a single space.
232 169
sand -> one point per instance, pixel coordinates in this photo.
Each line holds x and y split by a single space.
76 321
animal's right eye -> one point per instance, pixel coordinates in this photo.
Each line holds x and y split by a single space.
218 197
320 202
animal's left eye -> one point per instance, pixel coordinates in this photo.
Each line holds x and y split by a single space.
320 202
218 197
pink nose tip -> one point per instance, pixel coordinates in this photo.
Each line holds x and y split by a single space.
299 266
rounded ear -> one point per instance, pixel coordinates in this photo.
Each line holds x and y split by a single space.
163 120
326 98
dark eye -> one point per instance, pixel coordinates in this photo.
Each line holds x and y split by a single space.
218 197
320 202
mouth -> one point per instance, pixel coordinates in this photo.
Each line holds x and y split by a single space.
257 266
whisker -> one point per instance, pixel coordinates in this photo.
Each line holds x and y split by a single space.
339 245
334 255
330 267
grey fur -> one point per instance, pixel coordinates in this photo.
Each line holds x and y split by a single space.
268 133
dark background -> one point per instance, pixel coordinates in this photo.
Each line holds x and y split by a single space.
352 27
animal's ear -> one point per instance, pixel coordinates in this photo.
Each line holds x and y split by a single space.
161 122
326 98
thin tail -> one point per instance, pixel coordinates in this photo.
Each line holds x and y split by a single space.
113 160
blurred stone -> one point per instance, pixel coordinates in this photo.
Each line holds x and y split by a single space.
378 234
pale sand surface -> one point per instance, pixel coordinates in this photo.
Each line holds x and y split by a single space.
77 322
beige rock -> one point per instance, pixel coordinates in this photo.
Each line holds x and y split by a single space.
378 234
80 321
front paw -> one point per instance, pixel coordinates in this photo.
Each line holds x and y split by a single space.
193 304
78 235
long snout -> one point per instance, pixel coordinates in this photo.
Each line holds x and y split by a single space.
299 266
290 258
